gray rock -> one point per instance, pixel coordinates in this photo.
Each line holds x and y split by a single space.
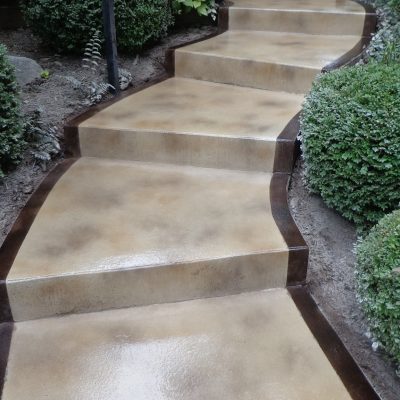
26 69
28 189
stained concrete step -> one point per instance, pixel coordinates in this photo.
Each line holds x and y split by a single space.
115 234
250 346
198 123
330 17
265 60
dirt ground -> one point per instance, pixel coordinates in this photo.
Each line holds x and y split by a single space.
331 279
330 238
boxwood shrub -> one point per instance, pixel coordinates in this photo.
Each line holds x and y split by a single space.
378 279
66 26
350 128
12 143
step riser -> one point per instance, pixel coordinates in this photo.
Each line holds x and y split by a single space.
166 284
115 234
296 22
180 149
260 75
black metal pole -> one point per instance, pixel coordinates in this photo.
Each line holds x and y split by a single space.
111 44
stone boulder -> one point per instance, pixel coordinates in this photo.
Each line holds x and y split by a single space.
26 69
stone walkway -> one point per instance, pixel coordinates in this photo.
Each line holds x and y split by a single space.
174 208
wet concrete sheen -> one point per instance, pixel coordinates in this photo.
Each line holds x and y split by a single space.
253 346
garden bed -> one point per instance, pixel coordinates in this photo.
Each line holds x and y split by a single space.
331 279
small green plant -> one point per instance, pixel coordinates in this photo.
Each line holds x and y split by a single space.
45 74
92 54
350 128
12 143
378 282
90 81
202 7
44 140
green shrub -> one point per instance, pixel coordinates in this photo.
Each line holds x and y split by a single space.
11 138
350 128
66 26
378 279
140 22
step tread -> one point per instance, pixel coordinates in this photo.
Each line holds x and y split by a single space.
165 214
293 49
246 346
193 107
326 6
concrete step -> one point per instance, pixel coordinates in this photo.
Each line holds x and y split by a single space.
264 60
190 122
330 17
251 346
116 234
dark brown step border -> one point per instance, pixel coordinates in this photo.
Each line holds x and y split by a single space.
287 151
341 360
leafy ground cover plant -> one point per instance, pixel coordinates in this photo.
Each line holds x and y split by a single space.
350 128
378 278
394 5
202 7
66 26
385 45
12 143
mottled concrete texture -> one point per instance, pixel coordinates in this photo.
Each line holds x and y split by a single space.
337 19
265 60
171 199
184 121
248 347
327 6
171 202
107 225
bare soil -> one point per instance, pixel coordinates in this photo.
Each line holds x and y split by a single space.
331 279
331 238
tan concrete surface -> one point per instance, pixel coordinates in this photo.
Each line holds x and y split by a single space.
184 121
116 233
310 22
253 346
265 60
107 225
333 6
